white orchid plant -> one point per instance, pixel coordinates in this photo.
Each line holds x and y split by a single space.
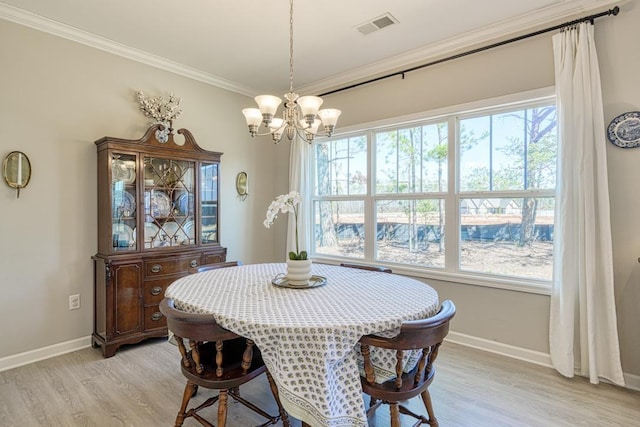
286 203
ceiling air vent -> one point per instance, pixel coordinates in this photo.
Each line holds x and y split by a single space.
376 24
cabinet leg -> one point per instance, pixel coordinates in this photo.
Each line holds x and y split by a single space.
109 350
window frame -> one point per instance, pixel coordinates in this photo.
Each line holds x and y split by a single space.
452 196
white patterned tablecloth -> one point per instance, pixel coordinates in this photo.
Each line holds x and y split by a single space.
308 337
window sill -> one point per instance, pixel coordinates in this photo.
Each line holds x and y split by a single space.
506 283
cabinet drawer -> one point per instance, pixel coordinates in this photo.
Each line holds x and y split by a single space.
154 289
163 266
153 319
214 258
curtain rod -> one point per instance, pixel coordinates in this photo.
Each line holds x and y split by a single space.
590 18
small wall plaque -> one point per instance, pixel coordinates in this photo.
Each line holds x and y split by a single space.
242 184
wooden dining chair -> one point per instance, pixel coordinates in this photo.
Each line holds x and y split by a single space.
217 359
214 266
367 267
424 335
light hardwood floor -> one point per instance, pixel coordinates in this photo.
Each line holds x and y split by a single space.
142 386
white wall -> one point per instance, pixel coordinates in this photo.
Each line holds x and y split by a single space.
515 318
57 98
619 59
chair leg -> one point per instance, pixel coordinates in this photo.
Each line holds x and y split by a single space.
426 398
395 414
222 408
189 391
373 406
274 390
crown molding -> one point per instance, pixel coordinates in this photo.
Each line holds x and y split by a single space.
472 39
22 17
554 13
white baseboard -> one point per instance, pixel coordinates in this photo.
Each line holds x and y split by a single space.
514 352
632 381
543 359
31 356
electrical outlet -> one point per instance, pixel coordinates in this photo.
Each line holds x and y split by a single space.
74 302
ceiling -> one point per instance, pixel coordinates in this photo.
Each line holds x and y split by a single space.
243 45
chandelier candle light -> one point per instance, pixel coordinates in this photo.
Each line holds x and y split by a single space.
300 115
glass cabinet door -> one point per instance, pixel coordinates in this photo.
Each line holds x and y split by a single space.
169 203
209 202
123 201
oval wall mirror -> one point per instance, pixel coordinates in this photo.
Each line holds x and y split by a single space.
16 170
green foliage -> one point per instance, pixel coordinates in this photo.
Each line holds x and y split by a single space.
412 159
438 153
426 207
469 139
298 257
477 179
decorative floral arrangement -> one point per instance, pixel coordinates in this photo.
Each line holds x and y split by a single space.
286 203
159 109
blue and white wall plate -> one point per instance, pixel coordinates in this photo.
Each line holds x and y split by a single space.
624 130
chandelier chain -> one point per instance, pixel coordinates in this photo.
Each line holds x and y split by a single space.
290 45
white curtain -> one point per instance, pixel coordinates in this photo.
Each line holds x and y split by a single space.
583 330
299 167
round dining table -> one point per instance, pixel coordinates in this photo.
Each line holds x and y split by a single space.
309 336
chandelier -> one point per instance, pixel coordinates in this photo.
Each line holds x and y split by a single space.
301 114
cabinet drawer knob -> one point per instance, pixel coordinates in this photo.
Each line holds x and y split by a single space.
156 268
156 316
156 290
194 263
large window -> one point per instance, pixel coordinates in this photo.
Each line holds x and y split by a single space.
467 193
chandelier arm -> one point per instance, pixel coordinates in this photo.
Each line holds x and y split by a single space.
302 134
263 134
303 128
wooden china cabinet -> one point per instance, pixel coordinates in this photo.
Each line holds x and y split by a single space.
158 211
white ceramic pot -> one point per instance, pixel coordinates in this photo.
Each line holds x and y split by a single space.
298 271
